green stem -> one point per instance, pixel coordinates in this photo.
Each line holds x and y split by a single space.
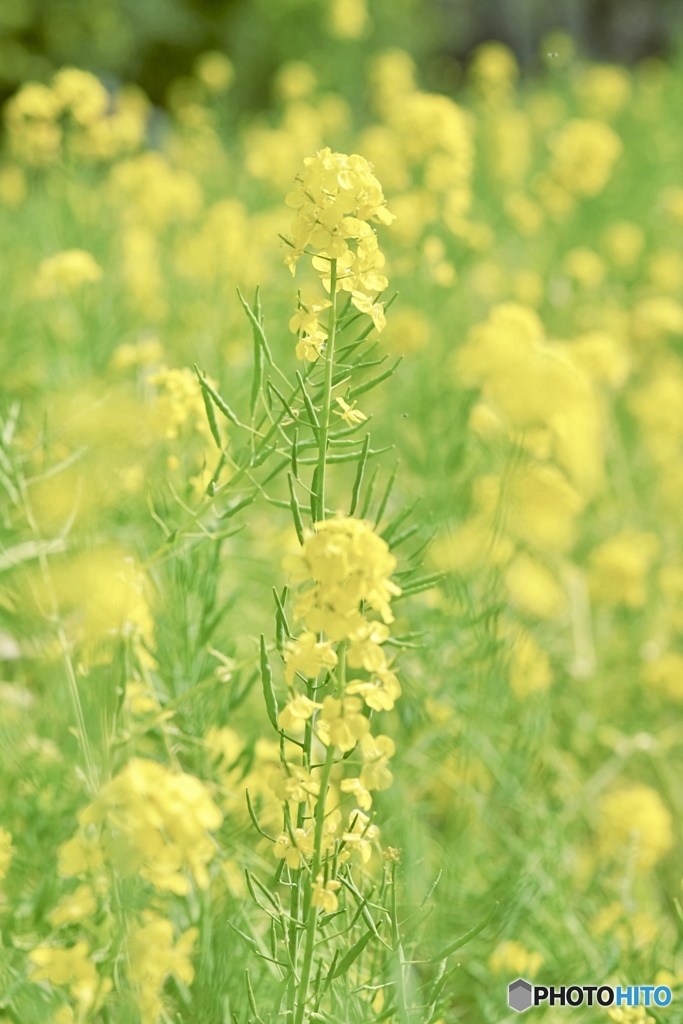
311 924
399 965
55 619
297 888
327 396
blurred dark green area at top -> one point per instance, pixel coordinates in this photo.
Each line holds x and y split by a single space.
152 42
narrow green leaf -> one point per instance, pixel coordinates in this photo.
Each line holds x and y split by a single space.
252 1000
424 583
314 495
386 1014
389 530
679 913
264 454
257 378
439 987
211 417
363 908
368 385
345 456
296 510
406 535
237 507
268 688
257 326
467 937
387 493
352 954
431 889
281 615
369 493
312 415
254 819
359 474
285 404
219 402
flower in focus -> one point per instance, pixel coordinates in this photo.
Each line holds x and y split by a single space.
348 563
350 415
335 199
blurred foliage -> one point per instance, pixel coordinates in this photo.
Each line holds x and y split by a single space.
155 42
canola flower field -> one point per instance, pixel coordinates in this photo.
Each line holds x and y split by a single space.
341 570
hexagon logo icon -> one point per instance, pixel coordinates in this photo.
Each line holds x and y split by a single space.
519 995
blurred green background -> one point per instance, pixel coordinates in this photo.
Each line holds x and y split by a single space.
155 41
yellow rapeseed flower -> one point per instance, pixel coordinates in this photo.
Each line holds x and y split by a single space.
324 894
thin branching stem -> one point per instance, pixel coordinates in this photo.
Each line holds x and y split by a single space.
327 396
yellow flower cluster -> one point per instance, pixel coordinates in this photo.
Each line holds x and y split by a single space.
75 906
74 113
348 563
584 153
545 399
493 71
423 149
153 956
348 568
156 823
66 272
536 387
73 968
104 593
335 199
179 405
619 568
348 19
635 825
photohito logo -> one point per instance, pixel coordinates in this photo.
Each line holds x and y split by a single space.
522 995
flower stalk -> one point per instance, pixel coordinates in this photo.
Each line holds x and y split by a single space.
327 397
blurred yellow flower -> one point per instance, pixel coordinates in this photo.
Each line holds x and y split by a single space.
66 272
513 958
583 156
634 825
619 568
153 956
73 968
6 851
